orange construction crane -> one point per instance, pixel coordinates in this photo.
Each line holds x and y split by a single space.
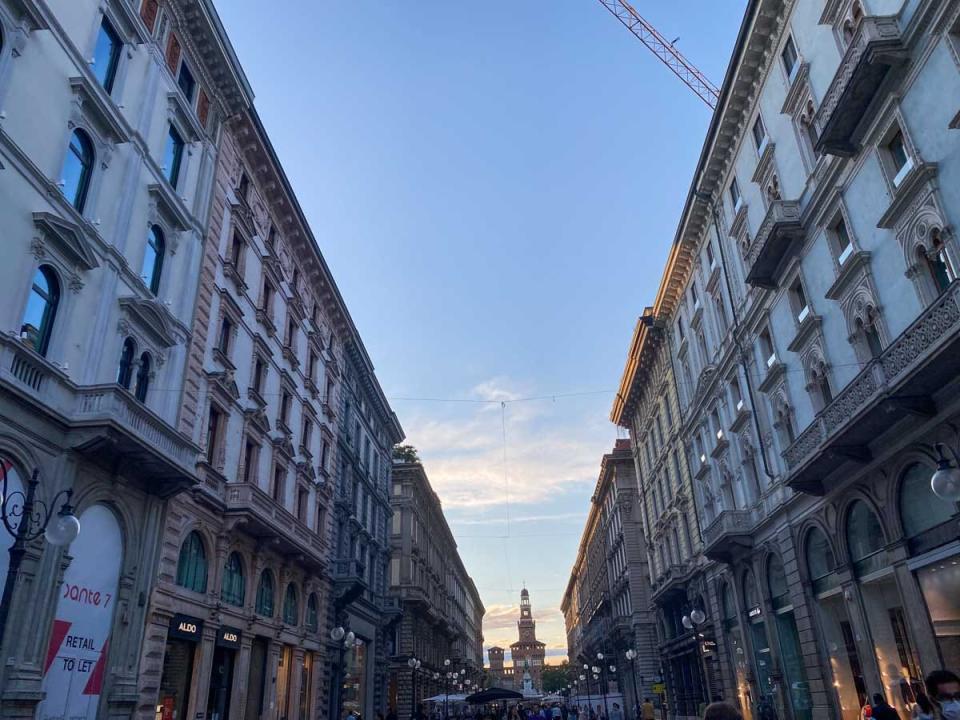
668 54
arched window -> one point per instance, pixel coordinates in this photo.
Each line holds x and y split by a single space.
125 371
231 590
864 538
77 169
290 608
143 378
265 594
41 310
153 259
777 583
820 561
920 509
312 620
192 565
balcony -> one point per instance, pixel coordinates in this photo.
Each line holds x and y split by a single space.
876 48
900 383
729 535
104 422
265 519
672 582
780 233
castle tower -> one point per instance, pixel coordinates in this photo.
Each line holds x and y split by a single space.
527 653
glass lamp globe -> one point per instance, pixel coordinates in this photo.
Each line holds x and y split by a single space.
582 677
337 633
613 668
446 662
687 622
63 529
351 637
418 664
463 671
599 656
586 667
945 482
697 616
412 663
631 654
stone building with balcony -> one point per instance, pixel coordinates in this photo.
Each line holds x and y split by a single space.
607 605
108 147
442 620
361 602
648 406
813 325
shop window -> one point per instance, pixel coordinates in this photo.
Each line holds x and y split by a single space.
864 538
265 593
143 378
41 309
231 591
152 265
920 509
125 370
820 561
77 168
312 621
192 564
106 55
290 606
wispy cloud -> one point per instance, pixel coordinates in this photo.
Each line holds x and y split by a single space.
521 518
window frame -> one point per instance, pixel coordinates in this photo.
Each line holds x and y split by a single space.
761 142
107 30
51 298
144 376
87 164
236 593
128 351
156 242
175 139
265 602
194 575
790 72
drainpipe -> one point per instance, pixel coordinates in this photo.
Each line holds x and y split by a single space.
741 354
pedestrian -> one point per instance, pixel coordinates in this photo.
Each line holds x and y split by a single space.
882 710
943 687
721 711
647 711
923 710
615 713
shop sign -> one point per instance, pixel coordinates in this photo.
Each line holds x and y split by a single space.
76 661
708 646
659 688
755 611
229 637
186 627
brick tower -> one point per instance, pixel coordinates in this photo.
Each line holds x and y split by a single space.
527 653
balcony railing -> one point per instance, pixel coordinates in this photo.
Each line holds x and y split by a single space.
105 422
729 532
899 382
780 233
875 48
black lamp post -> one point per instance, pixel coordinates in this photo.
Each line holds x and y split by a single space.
446 687
346 639
26 519
632 657
603 687
413 664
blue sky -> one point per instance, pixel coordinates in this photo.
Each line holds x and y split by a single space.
494 185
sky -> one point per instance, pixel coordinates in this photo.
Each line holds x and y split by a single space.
495 186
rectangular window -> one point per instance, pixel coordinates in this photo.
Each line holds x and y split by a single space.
736 395
259 375
285 407
789 57
710 258
320 519
186 82
277 492
213 434
798 298
844 247
307 433
226 330
312 366
172 155
759 134
243 190
902 163
303 496
106 56
767 353
249 461
272 237
735 194
236 250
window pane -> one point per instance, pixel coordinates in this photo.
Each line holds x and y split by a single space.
76 169
172 154
106 56
192 565
186 82
920 509
152 260
232 590
864 535
820 561
41 309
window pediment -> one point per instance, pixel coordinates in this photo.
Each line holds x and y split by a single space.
910 196
152 318
257 420
69 240
224 386
93 104
166 206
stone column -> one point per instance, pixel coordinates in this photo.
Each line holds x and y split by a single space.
241 675
202 667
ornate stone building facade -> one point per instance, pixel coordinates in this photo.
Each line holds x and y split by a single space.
810 306
606 606
442 618
108 145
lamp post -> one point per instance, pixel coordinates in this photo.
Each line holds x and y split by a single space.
446 687
632 657
346 639
413 664
691 622
25 518
603 688
582 678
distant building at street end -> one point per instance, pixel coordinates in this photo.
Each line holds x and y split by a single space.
527 655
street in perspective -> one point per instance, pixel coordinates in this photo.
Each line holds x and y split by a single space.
588 360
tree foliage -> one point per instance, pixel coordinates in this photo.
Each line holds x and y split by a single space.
405 453
555 676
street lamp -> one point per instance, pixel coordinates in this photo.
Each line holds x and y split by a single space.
413 664
632 657
25 519
601 672
945 482
694 619
446 688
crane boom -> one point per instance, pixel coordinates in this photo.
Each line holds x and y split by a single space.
668 54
